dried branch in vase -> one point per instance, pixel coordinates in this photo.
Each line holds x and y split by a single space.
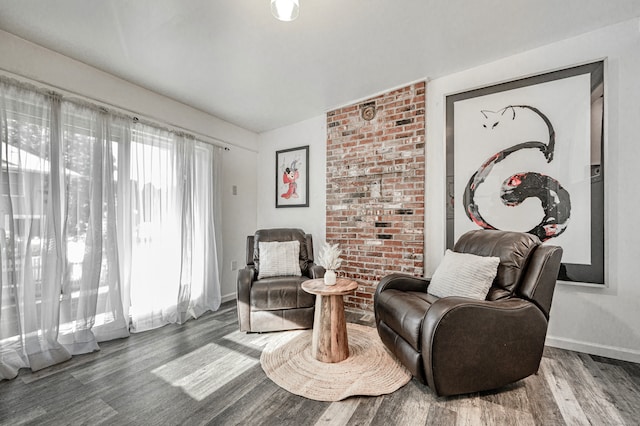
329 257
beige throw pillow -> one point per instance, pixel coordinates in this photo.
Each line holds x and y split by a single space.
465 275
279 259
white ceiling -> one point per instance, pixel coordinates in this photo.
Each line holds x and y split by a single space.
232 59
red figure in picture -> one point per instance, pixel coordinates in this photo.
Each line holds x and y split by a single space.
290 176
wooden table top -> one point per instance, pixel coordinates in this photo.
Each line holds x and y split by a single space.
342 286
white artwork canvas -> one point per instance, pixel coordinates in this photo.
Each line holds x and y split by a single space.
532 134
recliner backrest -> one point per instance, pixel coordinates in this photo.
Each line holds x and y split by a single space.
539 280
514 250
282 234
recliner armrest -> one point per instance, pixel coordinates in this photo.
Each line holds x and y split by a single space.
245 277
470 345
402 282
315 271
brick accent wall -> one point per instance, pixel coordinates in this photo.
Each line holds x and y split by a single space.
375 188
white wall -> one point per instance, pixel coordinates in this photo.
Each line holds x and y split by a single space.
25 59
603 321
311 219
238 213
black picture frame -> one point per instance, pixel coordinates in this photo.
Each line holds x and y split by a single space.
292 177
593 273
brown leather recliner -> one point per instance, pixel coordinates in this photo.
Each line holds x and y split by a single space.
276 303
457 345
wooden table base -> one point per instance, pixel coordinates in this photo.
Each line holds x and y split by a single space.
329 342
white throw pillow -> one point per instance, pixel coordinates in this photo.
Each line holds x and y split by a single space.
465 275
279 258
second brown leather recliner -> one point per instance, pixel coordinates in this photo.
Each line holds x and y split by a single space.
457 345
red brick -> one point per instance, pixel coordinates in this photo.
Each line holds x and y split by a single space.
391 154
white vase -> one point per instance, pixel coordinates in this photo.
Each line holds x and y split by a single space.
330 277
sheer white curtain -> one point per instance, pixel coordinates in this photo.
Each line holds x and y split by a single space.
91 303
31 254
60 283
105 227
199 288
174 268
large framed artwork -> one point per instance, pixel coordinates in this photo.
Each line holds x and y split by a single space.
292 177
527 155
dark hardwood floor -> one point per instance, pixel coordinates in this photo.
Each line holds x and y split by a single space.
207 372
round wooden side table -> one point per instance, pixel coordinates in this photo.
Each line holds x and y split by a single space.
330 343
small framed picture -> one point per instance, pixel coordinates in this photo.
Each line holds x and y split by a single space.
292 177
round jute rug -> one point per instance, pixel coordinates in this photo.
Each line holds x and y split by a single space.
369 370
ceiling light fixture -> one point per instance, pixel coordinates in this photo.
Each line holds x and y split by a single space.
285 10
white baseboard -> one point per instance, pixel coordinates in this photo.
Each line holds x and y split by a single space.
227 297
623 354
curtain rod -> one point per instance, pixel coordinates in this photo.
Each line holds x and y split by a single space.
212 140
